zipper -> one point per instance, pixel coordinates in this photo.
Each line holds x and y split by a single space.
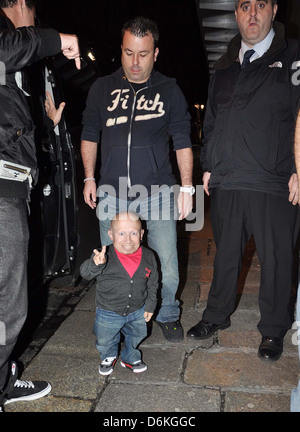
129 134
129 139
20 170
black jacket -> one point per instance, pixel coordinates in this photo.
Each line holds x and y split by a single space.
19 49
116 290
250 120
136 128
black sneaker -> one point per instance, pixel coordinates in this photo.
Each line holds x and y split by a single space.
107 366
135 367
25 390
172 331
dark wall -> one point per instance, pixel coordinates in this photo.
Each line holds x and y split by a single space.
293 18
98 24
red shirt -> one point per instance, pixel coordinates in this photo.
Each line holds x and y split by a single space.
130 262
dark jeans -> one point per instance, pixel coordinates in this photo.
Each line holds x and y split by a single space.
158 212
14 237
108 328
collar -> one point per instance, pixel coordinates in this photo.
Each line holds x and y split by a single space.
260 48
278 43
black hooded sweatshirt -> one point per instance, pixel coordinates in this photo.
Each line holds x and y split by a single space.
250 119
135 127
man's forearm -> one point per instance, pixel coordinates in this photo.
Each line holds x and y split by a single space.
185 165
89 157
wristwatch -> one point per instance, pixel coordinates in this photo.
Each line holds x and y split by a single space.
189 189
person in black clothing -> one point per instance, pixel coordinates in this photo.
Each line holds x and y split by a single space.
127 281
249 171
21 44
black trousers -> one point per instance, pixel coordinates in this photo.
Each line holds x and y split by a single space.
274 223
14 238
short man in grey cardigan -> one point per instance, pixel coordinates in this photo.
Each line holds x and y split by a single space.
126 293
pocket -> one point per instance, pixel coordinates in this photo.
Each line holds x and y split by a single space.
145 167
215 151
265 149
152 160
115 163
20 148
284 161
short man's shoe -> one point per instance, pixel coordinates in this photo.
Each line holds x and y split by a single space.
107 366
270 348
172 331
205 329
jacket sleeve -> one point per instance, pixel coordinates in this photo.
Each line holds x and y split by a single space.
179 120
89 270
152 286
26 45
91 118
208 126
295 84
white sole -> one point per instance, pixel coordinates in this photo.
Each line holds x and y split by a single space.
134 371
106 373
31 397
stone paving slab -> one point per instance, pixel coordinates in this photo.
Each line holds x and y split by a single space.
157 398
243 333
201 258
50 404
240 339
164 363
189 295
219 374
88 301
193 274
224 368
256 403
74 337
71 377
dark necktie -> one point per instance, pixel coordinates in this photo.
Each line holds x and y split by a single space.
247 56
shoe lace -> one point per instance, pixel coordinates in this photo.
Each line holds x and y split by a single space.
24 384
108 360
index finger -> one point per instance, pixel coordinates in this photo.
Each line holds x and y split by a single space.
78 63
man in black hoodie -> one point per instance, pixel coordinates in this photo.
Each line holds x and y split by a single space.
136 109
21 44
249 171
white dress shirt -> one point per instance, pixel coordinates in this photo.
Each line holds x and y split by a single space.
260 48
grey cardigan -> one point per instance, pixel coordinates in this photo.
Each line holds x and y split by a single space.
116 290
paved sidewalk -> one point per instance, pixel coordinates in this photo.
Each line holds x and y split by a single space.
220 374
